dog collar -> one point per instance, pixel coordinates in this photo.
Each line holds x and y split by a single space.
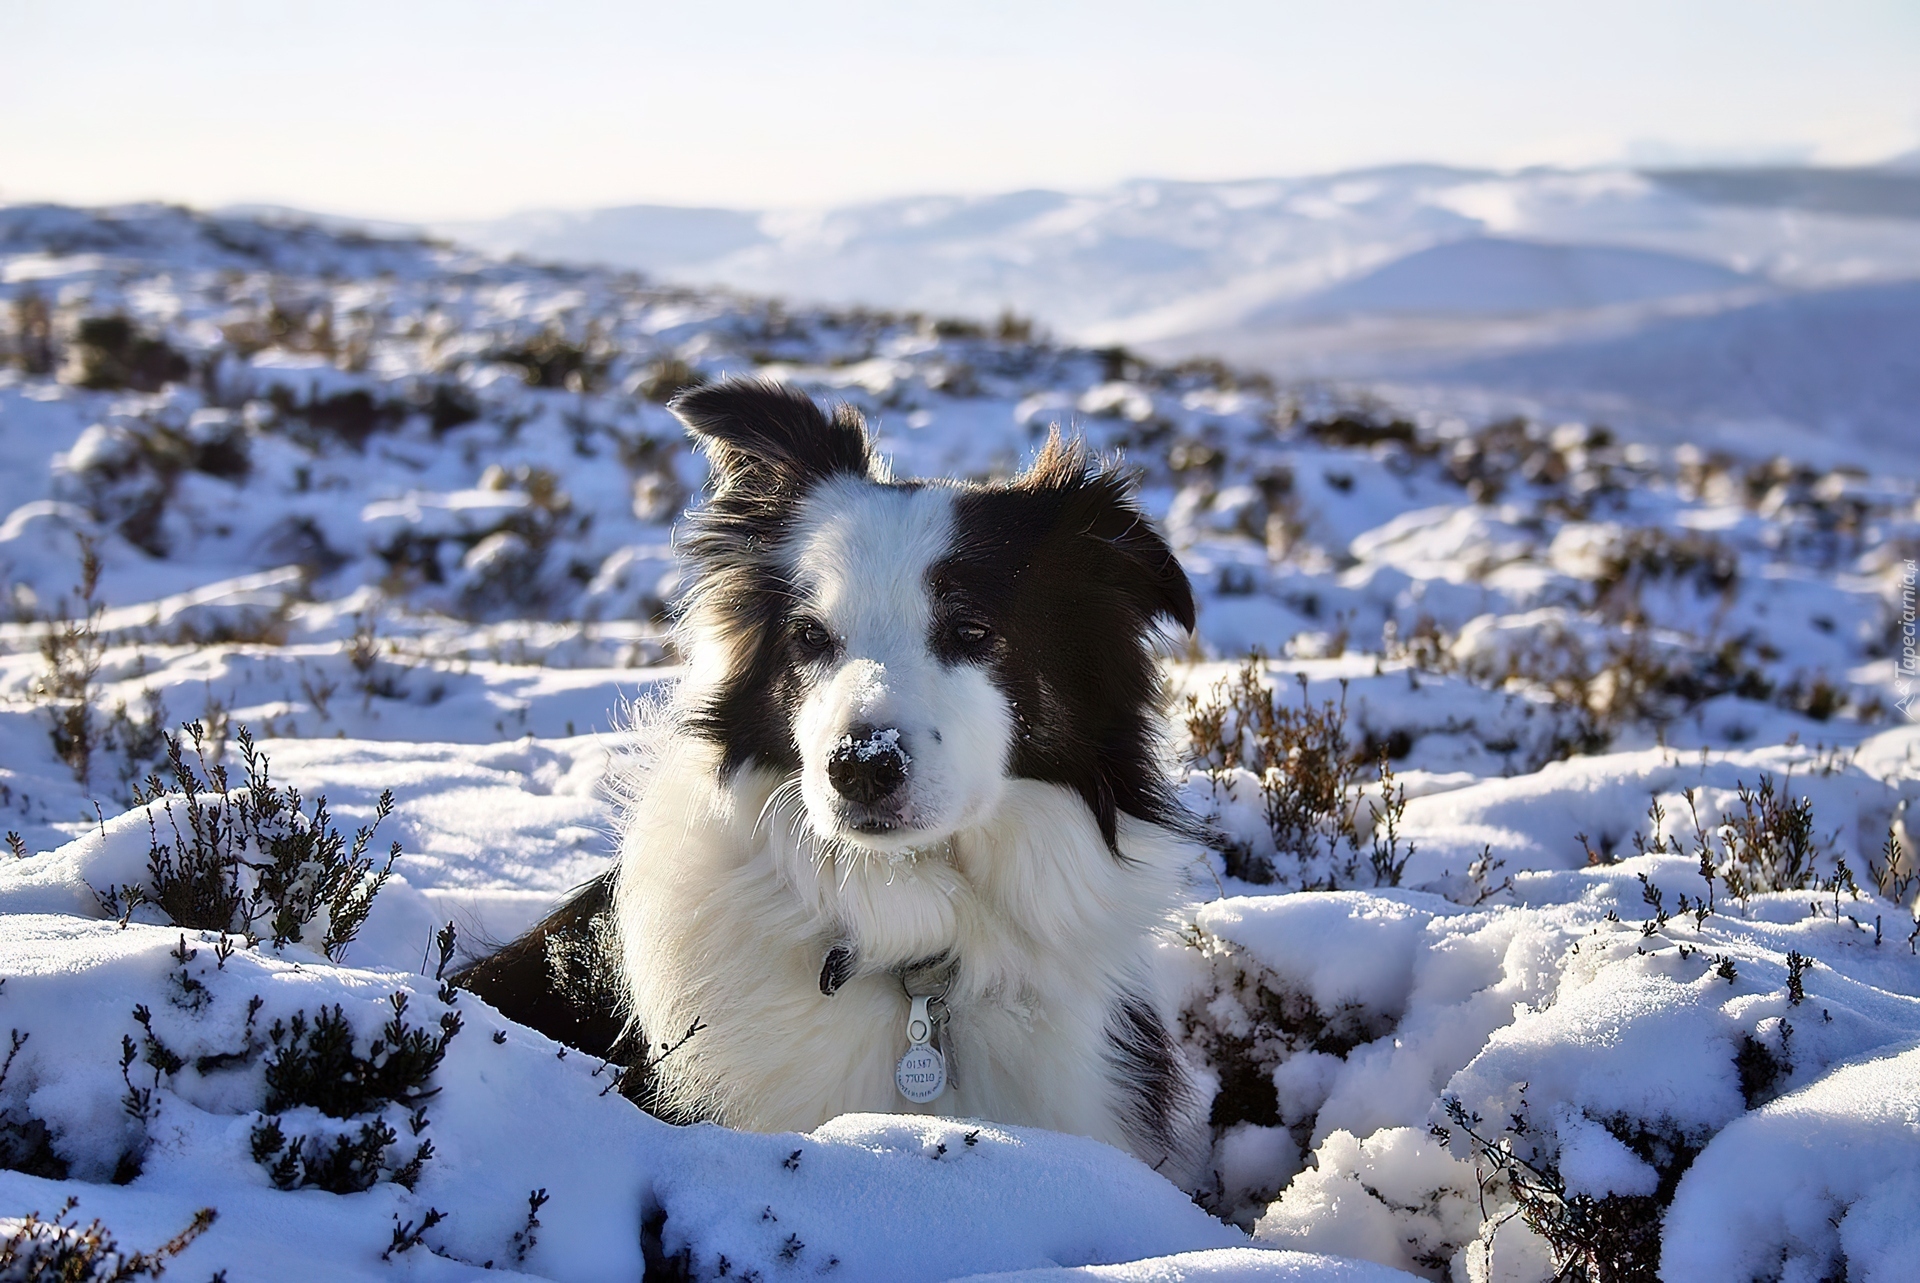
921 1074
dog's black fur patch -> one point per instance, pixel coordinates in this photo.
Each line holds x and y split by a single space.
561 977
768 445
1147 1071
764 436
837 969
1069 576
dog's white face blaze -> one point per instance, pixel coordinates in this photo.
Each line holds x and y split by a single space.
860 556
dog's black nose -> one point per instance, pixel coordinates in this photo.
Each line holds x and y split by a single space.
868 764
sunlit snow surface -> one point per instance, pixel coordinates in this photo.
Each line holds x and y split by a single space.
360 528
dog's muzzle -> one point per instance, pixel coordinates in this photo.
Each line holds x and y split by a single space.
869 769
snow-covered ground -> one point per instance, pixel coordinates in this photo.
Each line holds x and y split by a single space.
1614 973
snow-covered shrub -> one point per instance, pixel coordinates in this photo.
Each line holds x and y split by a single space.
1610 1238
1615 678
324 1112
29 345
1360 428
1894 871
1254 1032
249 859
550 359
289 321
1247 741
1771 844
83 726
25 1143
666 378
350 417
1646 557
314 1068
71 650
111 352
127 471
61 1250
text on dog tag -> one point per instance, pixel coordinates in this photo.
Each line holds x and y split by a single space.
921 1074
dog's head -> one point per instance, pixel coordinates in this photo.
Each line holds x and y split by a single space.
904 648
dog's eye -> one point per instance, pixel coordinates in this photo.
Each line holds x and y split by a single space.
813 636
971 633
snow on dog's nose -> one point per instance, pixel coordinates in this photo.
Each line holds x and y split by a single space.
868 765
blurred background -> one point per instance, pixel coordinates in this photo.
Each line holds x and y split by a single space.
1694 219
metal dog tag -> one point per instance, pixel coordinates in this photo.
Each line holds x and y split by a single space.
921 1074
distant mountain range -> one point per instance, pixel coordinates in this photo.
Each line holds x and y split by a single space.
1577 289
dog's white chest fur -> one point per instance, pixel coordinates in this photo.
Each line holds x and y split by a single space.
726 918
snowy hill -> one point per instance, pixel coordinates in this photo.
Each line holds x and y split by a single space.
1156 260
1839 366
1394 273
1494 275
1563 917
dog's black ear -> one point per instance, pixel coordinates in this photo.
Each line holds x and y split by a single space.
1098 502
751 426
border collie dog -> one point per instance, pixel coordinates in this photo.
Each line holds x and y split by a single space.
907 798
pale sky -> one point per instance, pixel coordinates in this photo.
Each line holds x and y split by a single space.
439 109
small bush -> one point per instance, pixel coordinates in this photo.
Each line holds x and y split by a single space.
1359 430
1770 845
1894 871
71 651
1011 327
351 417
552 360
26 1144
448 406
1611 1239
314 1064
288 326
130 484
1265 1021
1647 556
250 860
1608 679
111 354
1248 1023
667 378
527 1237
63 1251
32 348
1762 1070
1309 779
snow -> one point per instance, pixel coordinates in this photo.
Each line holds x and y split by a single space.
1557 1015
912 1198
419 538
1817 1172
886 1197
1222 1265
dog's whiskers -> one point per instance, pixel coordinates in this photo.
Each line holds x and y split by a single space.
800 830
787 789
